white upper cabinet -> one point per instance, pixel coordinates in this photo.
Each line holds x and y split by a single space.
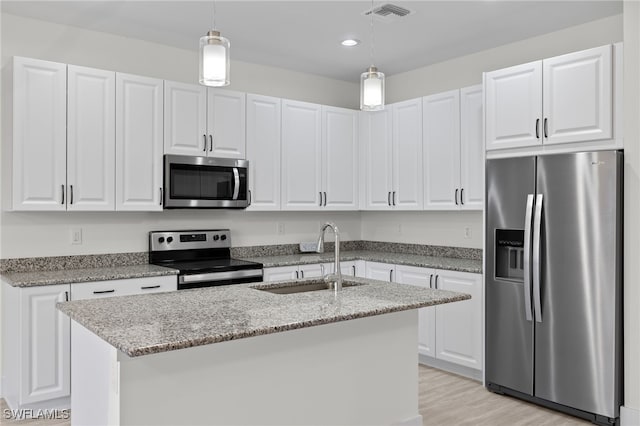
185 119
375 137
471 149
39 135
226 123
301 156
91 139
577 96
441 126
263 151
514 106
339 158
564 99
407 193
138 143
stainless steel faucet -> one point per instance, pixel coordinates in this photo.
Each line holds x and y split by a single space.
337 276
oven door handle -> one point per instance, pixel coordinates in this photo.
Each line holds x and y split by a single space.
236 183
219 276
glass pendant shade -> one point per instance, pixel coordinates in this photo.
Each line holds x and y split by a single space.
214 60
372 90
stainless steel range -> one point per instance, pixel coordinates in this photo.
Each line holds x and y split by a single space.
202 257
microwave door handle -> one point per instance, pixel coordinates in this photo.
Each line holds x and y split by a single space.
236 180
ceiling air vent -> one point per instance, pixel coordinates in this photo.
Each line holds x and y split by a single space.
388 12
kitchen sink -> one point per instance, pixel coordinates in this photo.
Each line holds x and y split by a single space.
314 285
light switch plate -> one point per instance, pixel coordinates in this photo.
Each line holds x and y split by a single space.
76 236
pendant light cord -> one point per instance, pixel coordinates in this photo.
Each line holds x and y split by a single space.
372 40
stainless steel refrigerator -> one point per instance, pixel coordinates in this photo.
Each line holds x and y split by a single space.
554 281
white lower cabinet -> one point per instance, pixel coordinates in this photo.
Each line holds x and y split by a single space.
282 273
451 332
36 337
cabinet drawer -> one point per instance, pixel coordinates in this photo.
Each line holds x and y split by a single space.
110 288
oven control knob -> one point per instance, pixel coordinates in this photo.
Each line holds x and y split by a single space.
169 239
223 237
161 240
216 237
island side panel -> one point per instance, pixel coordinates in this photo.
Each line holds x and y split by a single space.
94 379
362 371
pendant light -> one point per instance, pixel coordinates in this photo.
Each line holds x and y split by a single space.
372 82
214 57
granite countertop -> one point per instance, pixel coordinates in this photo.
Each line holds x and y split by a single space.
152 323
448 263
66 276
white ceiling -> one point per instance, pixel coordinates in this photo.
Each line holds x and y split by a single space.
306 35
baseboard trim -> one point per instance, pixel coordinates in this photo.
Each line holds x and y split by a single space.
629 416
413 421
451 367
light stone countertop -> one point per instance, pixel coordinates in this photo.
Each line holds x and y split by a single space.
66 276
435 262
152 323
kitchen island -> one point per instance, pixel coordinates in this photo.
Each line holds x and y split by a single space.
241 355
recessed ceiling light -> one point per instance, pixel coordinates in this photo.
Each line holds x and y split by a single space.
350 42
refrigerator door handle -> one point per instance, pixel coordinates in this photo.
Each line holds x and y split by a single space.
527 258
537 218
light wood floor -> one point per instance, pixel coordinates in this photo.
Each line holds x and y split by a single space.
445 399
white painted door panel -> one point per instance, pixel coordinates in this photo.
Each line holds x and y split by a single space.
39 172
441 132
263 151
459 324
185 119
91 139
421 277
514 106
471 149
281 273
407 193
46 368
376 140
379 271
301 155
125 287
578 96
310 271
226 115
340 158
138 143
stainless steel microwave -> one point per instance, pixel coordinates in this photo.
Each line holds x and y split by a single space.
205 182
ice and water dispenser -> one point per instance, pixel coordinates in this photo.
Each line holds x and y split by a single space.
510 254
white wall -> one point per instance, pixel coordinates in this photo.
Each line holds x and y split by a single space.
632 211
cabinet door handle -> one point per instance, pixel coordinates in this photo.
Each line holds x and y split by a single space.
204 146
391 275
537 128
354 270
211 143
71 195
297 275
430 280
249 197
325 199
161 194
389 198
393 198
546 128
437 282
66 296
301 274
456 196
62 192
320 194
149 287
462 196
104 291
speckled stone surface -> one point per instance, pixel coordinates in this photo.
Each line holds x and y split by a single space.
160 322
288 249
40 278
447 263
28 264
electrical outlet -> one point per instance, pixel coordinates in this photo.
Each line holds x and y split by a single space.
76 236
280 228
467 232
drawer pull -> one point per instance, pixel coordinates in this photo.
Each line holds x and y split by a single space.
149 287
104 291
